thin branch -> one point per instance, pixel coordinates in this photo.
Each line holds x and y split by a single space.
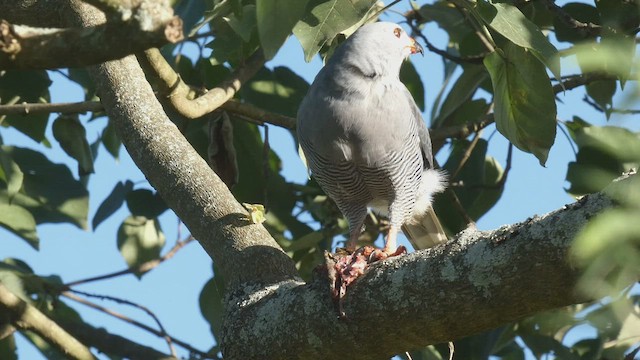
585 29
597 107
133 322
480 30
26 47
467 154
181 96
26 317
575 81
457 59
163 331
108 343
140 269
503 179
39 108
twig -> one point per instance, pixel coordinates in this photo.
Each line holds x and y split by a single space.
70 295
26 317
597 107
467 154
140 269
39 108
503 179
588 29
566 135
456 201
480 30
137 306
181 96
457 59
575 81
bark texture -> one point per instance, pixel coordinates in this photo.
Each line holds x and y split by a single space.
245 252
477 281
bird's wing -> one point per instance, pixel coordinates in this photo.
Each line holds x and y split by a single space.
423 133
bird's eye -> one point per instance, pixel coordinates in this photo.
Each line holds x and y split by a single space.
397 32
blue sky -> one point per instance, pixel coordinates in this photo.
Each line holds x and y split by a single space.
172 289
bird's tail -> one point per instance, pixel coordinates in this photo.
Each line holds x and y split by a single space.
425 232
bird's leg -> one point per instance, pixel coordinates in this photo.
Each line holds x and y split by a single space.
390 246
353 241
391 240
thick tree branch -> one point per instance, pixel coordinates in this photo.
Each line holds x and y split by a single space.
181 96
477 281
23 47
243 251
26 317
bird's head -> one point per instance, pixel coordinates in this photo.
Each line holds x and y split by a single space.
378 48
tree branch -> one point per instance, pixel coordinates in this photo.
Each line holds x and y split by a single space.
26 317
244 252
181 96
23 47
586 29
475 282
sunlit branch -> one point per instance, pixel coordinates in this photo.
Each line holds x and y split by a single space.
26 317
133 322
182 97
163 332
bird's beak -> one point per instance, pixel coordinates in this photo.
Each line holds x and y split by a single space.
416 47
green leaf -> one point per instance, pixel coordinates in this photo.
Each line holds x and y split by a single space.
602 93
112 203
143 202
511 23
72 136
607 248
541 345
49 190
211 307
140 240
411 79
111 140
604 153
10 174
613 55
276 19
12 275
448 18
81 77
190 11
228 45
464 88
245 24
525 107
326 19
19 221
253 184
26 86
280 90
480 175
8 350
619 16
582 12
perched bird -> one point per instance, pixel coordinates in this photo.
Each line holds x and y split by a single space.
365 141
